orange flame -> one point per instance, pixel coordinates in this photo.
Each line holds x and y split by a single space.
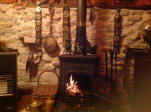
72 87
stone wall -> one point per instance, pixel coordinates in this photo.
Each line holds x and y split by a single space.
19 22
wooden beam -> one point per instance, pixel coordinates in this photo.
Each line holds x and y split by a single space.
7 1
107 4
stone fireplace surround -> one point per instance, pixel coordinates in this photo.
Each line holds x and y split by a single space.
19 22
16 23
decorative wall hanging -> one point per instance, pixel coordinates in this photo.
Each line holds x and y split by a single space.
66 30
35 51
38 23
116 42
50 44
111 62
117 31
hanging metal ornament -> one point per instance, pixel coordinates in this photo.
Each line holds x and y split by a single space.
38 23
66 30
116 43
117 31
35 52
50 44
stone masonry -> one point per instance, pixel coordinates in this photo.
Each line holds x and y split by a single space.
16 23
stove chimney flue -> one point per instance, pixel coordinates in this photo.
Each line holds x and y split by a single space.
80 41
81 12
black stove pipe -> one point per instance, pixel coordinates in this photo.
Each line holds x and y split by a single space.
80 41
81 12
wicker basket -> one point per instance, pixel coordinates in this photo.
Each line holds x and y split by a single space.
45 91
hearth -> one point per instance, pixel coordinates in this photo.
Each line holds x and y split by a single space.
81 70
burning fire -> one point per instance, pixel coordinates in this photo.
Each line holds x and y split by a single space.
72 87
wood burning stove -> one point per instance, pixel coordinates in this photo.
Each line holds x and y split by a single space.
8 67
78 70
83 69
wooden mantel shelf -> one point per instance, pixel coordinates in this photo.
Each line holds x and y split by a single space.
109 4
